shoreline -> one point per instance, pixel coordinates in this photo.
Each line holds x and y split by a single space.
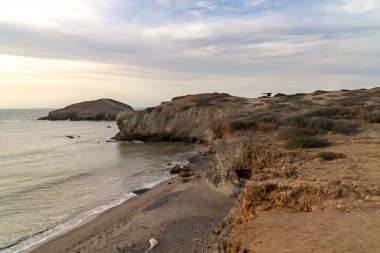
111 218
28 243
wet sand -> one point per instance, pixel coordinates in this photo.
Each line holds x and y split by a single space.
180 213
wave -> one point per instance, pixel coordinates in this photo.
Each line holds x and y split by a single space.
27 242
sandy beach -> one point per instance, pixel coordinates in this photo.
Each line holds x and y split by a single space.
181 213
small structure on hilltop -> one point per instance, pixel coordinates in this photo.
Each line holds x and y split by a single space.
266 95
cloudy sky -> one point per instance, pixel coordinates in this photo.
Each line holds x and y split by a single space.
141 52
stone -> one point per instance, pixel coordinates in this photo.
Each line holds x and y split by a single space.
175 170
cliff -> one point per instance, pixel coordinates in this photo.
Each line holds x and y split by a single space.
192 118
101 109
305 165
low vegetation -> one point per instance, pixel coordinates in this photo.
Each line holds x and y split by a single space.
306 142
241 124
329 156
287 132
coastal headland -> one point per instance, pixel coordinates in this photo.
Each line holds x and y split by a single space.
289 173
100 109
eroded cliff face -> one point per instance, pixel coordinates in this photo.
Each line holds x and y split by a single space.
276 182
281 181
188 118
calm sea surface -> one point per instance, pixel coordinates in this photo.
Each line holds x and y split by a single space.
49 182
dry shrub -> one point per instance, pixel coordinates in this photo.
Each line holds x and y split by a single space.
329 156
306 142
288 132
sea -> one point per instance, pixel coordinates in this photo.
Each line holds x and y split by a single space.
55 175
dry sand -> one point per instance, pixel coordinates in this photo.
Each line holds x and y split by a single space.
180 213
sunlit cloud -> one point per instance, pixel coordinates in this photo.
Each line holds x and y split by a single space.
173 47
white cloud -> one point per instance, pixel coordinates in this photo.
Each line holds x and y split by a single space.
359 6
352 6
253 3
205 5
48 13
165 3
286 46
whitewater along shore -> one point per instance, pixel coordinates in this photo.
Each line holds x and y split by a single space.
180 213
305 167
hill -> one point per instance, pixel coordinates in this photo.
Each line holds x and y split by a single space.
101 109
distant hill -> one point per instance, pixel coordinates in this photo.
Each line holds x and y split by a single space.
101 109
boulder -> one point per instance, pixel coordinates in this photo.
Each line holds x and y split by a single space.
101 109
175 170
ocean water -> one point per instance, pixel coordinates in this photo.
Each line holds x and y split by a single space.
49 182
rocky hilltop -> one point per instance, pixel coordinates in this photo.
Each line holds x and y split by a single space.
101 109
192 118
305 166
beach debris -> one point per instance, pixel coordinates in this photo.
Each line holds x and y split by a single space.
153 243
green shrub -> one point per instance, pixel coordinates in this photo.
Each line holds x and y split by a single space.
319 92
287 132
203 104
185 107
354 100
329 156
223 100
306 142
296 121
371 112
296 96
279 95
210 97
345 127
329 112
372 117
320 124
265 117
241 124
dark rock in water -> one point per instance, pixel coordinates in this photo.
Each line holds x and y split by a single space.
185 174
70 137
109 127
101 109
175 170
141 191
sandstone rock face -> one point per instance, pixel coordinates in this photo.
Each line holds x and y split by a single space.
101 109
190 118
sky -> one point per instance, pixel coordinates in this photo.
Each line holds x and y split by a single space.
141 52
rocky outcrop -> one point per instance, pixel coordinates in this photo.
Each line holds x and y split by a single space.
101 109
192 118
248 150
